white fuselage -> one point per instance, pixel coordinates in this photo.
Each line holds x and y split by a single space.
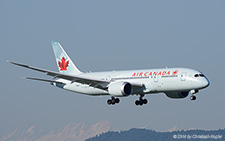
154 81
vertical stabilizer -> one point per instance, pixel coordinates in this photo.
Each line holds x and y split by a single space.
64 63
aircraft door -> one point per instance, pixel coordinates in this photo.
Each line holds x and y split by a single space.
108 77
155 78
183 76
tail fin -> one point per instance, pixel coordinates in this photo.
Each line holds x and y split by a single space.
64 63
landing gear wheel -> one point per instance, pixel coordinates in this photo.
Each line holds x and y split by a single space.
109 101
193 97
141 101
137 102
117 100
145 101
113 101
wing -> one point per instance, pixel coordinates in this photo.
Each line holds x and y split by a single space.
97 83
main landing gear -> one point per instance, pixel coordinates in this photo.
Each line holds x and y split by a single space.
113 100
141 101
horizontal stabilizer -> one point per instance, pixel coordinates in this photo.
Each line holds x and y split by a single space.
45 80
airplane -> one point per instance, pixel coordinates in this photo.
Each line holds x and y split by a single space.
176 83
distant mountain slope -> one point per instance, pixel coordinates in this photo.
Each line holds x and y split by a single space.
101 132
72 131
147 135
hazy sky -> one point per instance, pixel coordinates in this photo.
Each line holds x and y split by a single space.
111 35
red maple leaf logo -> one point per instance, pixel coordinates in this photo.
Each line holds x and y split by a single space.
63 64
175 72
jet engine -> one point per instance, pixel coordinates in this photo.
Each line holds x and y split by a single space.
177 94
120 89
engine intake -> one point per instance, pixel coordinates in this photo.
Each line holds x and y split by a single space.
120 89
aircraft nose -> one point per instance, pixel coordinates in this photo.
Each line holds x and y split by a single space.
205 83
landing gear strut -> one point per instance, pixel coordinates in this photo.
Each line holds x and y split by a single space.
113 100
141 101
192 96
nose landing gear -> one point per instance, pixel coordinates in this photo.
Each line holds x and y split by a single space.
193 97
113 101
193 92
141 101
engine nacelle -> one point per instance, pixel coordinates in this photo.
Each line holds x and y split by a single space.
177 94
120 89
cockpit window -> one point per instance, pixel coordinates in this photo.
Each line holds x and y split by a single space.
199 75
196 75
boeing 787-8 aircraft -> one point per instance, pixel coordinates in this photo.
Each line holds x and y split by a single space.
174 82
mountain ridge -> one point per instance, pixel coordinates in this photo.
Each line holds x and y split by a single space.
135 134
82 131
72 131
